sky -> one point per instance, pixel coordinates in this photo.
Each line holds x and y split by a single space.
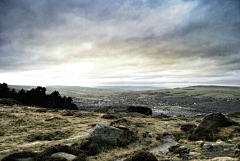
161 43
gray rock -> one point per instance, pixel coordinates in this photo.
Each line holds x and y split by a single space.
127 119
216 147
214 120
69 157
105 135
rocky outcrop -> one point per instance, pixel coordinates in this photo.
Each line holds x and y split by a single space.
105 135
115 136
213 121
209 127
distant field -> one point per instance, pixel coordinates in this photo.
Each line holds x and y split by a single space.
107 93
195 92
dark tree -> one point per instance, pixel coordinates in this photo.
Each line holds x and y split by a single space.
4 91
37 96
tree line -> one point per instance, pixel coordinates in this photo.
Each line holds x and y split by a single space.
37 96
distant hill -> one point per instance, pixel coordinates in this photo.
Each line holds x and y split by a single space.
212 87
78 91
74 91
133 88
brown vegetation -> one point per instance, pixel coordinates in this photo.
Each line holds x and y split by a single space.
143 155
26 133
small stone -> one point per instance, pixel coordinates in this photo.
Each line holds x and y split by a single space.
52 118
69 157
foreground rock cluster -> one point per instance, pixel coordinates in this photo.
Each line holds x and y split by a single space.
101 136
191 138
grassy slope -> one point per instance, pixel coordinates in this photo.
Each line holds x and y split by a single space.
19 122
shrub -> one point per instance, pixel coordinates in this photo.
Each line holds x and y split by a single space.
203 134
90 148
143 155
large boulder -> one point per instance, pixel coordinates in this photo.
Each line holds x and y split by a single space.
105 135
209 127
213 121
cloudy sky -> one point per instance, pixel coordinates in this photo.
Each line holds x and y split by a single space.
165 43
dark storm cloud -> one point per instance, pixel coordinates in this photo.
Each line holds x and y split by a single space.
172 37
23 21
212 31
